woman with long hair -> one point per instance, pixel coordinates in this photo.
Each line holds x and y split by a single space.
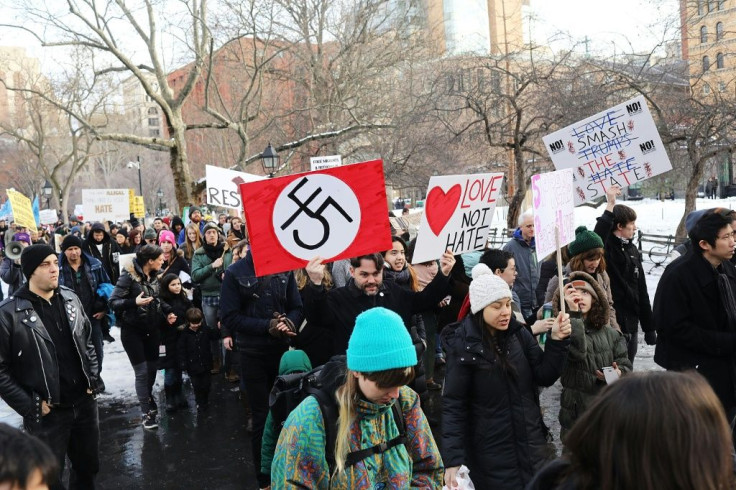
372 401
647 431
192 241
491 420
134 241
139 312
174 261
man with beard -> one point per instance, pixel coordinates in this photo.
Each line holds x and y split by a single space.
48 366
208 266
338 308
83 274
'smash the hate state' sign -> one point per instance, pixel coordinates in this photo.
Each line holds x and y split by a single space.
105 205
457 214
620 145
223 186
321 163
553 204
335 214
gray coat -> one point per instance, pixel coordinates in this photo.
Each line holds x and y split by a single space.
526 282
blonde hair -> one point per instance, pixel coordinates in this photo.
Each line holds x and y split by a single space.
189 252
347 396
301 277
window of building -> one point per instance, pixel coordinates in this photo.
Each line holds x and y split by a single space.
719 60
721 86
152 110
701 9
706 89
153 121
721 4
712 4
719 31
706 63
703 35
154 132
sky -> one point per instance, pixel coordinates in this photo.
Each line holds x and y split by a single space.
637 24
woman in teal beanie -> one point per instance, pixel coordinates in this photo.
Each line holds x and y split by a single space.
380 362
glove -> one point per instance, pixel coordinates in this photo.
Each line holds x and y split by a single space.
650 337
287 321
273 331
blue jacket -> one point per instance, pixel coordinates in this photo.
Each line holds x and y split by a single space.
247 304
526 282
183 233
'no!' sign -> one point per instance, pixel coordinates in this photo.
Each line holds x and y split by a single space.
334 213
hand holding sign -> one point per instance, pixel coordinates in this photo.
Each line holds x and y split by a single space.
447 262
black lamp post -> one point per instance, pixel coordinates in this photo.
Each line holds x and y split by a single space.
160 195
269 160
137 165
47 190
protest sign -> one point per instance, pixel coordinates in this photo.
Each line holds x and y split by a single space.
139 208
335 214
105 205
22 210
554 207
48 216
457 214
223 186
79 211
620 146
322 163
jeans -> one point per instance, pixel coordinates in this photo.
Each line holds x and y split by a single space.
211 315
172 377
259 371
72 431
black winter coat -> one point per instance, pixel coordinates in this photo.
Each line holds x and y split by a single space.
492 422
692 325
143 319
170 333
628 281
338 308
109 256
193 350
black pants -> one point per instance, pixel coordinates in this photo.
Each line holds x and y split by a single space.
201 386
72 431
632 345
259 373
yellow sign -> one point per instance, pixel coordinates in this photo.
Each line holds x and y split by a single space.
131 199
139 207
22 210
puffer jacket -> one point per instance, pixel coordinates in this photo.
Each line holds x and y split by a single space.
194 353
29 372
593 346
247 305
491 420
170 333
300 460
132 282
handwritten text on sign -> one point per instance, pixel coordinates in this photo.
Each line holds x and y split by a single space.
552 200
457 214
619 146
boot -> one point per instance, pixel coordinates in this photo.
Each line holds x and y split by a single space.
216 366
232 376
170 398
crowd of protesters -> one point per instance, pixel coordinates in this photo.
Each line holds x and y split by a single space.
486 328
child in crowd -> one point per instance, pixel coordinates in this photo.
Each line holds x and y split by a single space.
172 293
594 345
195 355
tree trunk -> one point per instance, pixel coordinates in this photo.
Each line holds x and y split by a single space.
691 192
519 192
178 161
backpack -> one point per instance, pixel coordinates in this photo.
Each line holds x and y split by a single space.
290 390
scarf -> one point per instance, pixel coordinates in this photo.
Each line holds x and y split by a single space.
214 252
401 277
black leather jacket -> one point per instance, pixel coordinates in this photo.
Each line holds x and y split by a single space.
29 372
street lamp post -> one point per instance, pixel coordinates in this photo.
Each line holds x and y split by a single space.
47 190
160 195
269 160
137 164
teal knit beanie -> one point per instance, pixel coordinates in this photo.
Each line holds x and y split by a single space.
584 240
380 342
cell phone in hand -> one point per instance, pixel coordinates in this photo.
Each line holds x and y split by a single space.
610 374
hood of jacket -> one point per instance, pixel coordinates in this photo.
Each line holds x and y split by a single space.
600 312
98 227
333 374
518 237
294 361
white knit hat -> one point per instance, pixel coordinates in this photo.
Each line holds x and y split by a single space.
486 288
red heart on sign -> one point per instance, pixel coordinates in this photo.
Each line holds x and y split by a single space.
440 206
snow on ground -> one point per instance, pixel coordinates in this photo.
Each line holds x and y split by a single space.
653 217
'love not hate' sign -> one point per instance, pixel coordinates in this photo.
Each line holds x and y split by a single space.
457 214
619 146
334 213
553 203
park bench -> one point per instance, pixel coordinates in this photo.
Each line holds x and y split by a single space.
497 237
657 247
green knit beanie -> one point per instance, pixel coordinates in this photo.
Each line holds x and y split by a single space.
380 342
584 240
